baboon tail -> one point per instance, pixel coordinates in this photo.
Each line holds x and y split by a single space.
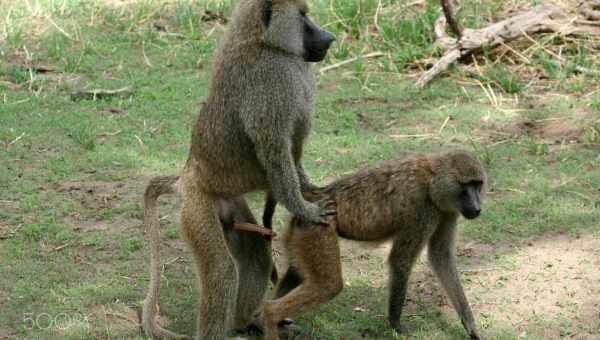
157 186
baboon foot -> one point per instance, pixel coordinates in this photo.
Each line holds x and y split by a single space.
288 330
285 322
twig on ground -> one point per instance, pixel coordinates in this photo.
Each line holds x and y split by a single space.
376 17
146 59
15 140
423 135
101 93
59 28
62 247
444 125
351 60
141 143
109 134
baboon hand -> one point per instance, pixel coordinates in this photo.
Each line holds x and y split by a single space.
328 205
317 213
313 193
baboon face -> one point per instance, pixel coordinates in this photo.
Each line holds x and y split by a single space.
459 184
470 202
290 29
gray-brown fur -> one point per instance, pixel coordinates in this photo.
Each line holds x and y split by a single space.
414 202
248 137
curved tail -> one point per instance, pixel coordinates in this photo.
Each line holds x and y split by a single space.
157 186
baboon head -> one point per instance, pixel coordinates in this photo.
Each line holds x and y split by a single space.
458 183
290 29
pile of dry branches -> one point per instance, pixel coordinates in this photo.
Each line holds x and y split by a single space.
566 19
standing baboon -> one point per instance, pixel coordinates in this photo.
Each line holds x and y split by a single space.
413 201
249 136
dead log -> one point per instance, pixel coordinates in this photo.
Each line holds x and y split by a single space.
449 14
590 9
471 40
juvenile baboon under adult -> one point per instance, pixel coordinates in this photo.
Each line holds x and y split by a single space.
249 136
413 201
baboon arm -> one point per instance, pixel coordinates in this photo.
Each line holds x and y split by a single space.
305 182
276 158
442 258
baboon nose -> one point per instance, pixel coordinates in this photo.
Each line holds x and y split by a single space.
328 38
472 213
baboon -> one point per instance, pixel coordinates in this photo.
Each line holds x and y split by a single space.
249 137
413 201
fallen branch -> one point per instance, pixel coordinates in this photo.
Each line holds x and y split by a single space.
449 13
533 20
101 93
590 9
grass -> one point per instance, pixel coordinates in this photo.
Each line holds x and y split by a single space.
501 77
72 251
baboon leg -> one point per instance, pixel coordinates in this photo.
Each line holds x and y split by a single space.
290 280
267 219
269 212
401 260
321 269
215 266
252 253
442 258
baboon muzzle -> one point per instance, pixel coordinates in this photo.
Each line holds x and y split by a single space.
316 41
471 204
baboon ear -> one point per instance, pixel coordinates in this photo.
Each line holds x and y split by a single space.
267 12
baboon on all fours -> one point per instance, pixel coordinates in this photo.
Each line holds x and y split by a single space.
249 136
413 202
